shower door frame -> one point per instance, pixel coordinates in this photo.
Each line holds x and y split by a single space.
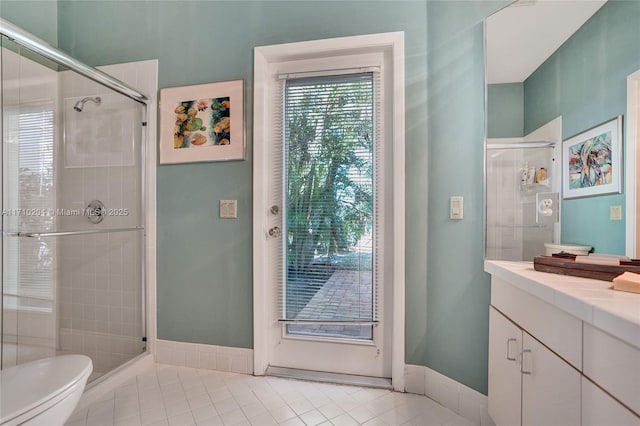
30 42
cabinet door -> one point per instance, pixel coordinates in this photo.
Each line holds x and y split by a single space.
599 408
550 387
505 343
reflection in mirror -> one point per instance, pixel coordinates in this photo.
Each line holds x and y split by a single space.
542 59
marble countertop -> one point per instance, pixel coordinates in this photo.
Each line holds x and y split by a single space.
593 301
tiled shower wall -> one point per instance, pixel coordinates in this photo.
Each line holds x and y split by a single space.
101 299
100 280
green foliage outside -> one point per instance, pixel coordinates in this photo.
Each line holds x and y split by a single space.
330 168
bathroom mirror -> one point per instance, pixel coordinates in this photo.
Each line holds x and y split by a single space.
553 69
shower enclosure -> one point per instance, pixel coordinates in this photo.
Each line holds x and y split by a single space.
522 201
73 213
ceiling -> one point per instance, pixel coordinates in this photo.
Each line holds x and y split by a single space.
523 35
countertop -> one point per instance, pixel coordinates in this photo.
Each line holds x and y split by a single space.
593 301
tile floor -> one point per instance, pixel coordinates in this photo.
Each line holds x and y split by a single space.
178 396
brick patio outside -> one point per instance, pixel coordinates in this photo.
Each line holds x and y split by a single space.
347 295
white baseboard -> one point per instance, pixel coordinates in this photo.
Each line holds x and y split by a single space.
206 357
461 399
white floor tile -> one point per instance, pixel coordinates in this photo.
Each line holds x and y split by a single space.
152 416
331 410
184 419
254 409
293 422
344 420
313 418
128 421
361 414
176 407
301 406
203 413
263 419
181 396
211 421
163 422
281 414
233 417
198 401
226 405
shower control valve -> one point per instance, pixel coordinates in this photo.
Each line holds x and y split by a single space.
96 211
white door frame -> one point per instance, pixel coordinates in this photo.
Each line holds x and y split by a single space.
631 164
393 43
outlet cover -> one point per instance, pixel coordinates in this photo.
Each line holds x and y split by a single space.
228 209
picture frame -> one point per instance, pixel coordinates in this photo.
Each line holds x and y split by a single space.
592 161
202 122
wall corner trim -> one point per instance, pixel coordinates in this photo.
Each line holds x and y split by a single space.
459 398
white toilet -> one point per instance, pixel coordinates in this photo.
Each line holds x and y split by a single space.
43 392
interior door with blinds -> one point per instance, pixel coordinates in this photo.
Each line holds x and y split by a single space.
327 239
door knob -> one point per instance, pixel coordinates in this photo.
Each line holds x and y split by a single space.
274 232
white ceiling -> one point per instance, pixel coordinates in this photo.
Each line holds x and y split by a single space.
522 36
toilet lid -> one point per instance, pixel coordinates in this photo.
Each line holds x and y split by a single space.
27 386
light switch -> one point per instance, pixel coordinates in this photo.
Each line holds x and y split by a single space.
456 210
228 209
615 213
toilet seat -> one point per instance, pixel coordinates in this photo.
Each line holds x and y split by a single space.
29 389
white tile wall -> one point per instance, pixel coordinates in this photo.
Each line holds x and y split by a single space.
101 297
206 357
462 400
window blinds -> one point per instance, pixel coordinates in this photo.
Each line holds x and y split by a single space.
30 262
327 177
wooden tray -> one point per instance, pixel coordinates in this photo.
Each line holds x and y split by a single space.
564 264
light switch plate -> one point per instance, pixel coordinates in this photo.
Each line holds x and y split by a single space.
615 213
228 209
456 208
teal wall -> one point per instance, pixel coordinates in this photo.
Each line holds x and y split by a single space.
457 292
585 82
505 110
204 264
39 17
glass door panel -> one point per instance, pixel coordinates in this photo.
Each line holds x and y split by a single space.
330 206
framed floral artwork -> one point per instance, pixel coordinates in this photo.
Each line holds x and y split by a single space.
592 161
203 122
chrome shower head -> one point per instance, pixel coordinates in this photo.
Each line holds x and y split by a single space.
80 104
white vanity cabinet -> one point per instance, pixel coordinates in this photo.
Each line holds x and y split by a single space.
528 384
562 350
505 378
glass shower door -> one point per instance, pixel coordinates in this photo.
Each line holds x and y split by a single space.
73 216
29 96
